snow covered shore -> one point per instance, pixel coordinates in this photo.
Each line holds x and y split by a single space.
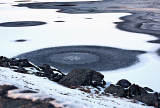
73 97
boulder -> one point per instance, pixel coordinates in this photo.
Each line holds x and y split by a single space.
55 77
47 70
21 70
148 89
142 95
83 77
4 61
149 99
116 90
6 102
20 62
135 90
124 83
4 89
52 74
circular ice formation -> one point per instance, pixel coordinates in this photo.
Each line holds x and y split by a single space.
21 23
74 58
94 57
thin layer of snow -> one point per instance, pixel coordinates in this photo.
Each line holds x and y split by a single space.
76 97
33 96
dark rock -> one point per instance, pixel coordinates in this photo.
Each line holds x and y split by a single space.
116 90
21 70
82 77
20 62
6 102
4 59
148 89
39 74
52 74
135 90
47 70
141 94
149 99
4 89
4 62
56 77
137 97
142 91
124 83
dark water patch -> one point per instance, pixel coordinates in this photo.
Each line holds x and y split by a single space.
22 23
155 41
137 24
94 57
47 5
59 21
65 5
20 40
88 18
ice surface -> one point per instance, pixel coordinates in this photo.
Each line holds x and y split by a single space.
78 29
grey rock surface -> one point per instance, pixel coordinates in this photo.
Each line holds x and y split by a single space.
83 77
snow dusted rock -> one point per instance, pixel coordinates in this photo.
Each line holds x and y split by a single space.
15 63
124 83
47 70
21 70
13 97
136 90
149 99
83 77
24 66
4 62
51 74
148 89
20 62
143 94
116 90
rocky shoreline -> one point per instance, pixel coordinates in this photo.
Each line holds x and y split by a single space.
80 78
